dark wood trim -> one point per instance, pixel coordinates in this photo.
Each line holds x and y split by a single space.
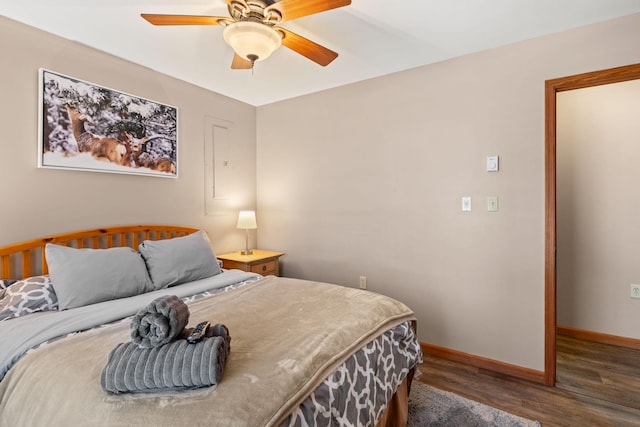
552 87
483 363
599 337
596 78
550 236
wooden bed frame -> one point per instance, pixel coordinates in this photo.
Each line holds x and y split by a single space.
26 259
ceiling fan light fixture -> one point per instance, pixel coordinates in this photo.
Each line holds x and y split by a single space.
252 41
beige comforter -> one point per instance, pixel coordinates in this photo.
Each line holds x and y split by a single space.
287 336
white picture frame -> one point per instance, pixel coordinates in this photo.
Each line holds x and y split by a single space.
88 127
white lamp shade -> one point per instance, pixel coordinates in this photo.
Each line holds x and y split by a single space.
252 39
247 220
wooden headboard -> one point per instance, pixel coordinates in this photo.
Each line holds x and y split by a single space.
27 259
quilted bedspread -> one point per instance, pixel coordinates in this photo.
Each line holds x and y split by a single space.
288 335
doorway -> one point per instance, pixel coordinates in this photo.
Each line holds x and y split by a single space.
552 87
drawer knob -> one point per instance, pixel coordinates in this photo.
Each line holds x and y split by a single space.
264 268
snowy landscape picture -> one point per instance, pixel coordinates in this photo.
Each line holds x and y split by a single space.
84 126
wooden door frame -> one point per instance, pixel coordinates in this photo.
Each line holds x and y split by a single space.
552 87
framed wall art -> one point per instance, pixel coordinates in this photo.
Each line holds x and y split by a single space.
88 127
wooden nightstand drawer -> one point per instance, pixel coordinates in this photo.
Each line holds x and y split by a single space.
266 263
265 268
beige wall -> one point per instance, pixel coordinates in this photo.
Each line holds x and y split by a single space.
36 202
367 179
598 206
361 180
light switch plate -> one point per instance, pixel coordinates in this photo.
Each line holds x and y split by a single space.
492 163
466 204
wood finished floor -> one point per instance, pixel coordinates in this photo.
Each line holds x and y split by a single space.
597 385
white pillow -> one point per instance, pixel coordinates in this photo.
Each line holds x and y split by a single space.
179 260
87 276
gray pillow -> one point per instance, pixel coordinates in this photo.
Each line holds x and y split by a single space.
87 276
26 296
179 260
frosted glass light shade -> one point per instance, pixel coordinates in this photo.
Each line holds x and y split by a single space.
247 220
251 40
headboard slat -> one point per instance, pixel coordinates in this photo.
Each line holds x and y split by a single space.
102 238
6 266
43 263
26 263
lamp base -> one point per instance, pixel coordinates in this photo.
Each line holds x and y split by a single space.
246 251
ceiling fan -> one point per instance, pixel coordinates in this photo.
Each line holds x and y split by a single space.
253 30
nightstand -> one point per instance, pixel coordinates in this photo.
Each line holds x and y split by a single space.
266 263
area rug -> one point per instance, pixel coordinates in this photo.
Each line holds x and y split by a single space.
432 407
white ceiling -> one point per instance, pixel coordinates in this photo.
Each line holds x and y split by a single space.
372 37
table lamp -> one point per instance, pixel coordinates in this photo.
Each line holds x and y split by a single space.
247 220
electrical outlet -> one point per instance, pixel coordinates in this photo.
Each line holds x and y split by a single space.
635 291
363 282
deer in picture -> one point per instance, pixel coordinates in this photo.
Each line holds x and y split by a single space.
108 149
141 158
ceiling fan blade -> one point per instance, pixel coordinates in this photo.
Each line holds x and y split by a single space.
305 47
292 9
157 19
239 63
